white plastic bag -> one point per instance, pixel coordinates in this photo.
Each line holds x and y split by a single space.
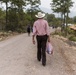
49 48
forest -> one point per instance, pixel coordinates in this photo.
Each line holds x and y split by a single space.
17 16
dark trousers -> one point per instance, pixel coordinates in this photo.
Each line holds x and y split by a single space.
41 48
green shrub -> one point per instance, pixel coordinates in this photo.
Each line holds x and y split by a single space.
70 31
20 30
72 38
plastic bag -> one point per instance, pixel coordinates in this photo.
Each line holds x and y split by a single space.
49 48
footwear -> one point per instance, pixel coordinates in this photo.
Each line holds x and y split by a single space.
44 64
39 59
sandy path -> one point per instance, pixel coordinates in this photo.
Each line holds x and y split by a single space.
18 57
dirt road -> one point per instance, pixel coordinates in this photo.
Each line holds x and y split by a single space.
18 57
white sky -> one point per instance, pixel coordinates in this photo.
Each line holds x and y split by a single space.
46 4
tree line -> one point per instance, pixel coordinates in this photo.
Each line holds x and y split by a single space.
16 17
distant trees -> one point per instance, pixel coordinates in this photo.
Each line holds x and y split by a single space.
2 14
16 17
6 2
74 19
2 19
34 8
53 21
63 7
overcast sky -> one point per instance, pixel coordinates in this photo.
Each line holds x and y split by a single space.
46 4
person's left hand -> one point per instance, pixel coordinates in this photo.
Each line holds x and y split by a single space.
48 39
33 41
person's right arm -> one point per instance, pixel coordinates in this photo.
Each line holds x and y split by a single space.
34 33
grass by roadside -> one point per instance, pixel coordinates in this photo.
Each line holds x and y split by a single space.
70 37
6 35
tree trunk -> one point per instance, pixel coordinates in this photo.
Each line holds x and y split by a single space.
61 22
6 15
66 24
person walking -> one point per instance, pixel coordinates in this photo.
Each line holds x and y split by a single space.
28 30
42 33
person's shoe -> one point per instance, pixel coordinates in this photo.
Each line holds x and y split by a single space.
44 64
39 59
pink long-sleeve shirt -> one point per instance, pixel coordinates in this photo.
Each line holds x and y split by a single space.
41 27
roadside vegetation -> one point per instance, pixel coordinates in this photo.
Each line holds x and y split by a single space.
16 16
70 36
63 7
